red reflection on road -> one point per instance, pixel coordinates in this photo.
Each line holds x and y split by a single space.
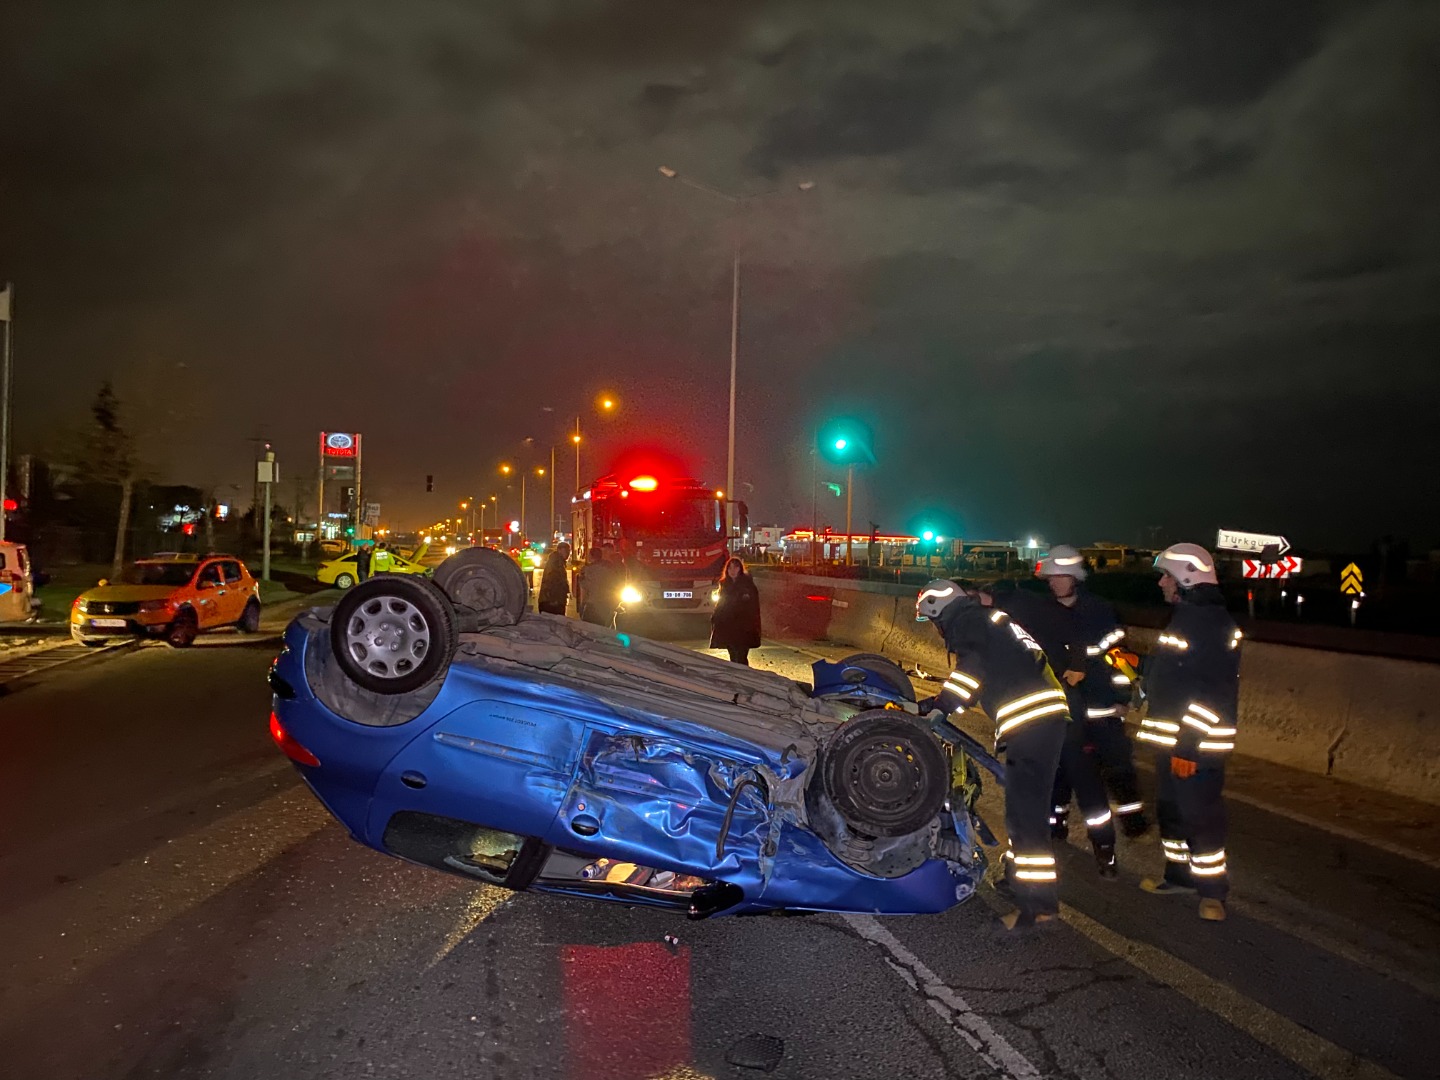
627 1010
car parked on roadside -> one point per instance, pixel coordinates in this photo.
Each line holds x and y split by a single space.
170 596
443 724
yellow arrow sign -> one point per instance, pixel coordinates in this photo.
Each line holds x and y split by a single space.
1351 580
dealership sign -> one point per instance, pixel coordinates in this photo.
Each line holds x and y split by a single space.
339 444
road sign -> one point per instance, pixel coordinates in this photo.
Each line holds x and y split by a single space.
1352 581
372 514
1283 568
1231 540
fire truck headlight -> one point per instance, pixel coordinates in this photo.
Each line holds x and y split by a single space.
714 596
630 595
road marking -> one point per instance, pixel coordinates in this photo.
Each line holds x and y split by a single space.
1312 1053
479 906
954 1009
1338 830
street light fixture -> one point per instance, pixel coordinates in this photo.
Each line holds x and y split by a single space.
734 200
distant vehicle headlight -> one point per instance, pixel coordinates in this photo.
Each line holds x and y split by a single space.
631 595
154 605
450 549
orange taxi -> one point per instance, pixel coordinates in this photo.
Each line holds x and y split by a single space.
170 596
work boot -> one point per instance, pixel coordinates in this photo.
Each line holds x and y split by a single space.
1212 910
1164 887
1060 825
1106 862
1134 825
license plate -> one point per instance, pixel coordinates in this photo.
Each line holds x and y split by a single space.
679 596
109 623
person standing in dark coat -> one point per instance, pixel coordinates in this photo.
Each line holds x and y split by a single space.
362 562
599 590
735 623
555 580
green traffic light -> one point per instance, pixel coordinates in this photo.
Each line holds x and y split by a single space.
927 535
840 444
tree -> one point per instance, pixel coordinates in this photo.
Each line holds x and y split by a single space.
109 454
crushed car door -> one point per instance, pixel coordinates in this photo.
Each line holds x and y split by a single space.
662 803
504 764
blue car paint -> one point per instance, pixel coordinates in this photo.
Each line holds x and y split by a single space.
542 761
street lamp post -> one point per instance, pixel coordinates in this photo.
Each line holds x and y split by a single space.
734 200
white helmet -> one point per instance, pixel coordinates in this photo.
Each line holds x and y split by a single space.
1063 561
1189 564
935 597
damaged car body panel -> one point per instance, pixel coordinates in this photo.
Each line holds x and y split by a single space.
562 757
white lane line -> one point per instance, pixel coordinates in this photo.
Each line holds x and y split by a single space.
1339 830
1300 1045
951 1007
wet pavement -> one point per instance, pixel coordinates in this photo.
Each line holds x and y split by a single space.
177 905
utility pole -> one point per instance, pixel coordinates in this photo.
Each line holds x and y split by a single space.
267 474
552 495
7 296
849 488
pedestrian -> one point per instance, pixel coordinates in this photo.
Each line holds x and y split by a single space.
735 622
1192 684
362 561
599 590
555 580
1001 668
382 562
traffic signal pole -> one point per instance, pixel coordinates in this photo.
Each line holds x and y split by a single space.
849 490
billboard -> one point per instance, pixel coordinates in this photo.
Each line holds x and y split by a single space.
339 444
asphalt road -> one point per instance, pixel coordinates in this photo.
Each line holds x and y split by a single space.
175 904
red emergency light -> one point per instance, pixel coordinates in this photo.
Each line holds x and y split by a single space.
11 504
644 483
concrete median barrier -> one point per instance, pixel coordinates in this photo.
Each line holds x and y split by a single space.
1370 720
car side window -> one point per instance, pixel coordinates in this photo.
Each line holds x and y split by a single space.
210 572
232 573
349 558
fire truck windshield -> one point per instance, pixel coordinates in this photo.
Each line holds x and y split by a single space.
692 518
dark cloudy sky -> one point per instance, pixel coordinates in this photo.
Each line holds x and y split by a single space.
1086 267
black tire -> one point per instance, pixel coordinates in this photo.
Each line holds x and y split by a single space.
485 584
182 630
889 672
344 581
884 773
393 634
250 618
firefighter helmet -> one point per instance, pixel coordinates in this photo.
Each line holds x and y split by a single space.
935 597
1189 564
1063 561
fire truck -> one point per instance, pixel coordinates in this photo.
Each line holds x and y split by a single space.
670 532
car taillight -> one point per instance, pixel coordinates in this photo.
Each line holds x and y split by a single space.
291 749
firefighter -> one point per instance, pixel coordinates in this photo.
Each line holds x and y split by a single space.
1192 681
1101 695
1001 668
1063 627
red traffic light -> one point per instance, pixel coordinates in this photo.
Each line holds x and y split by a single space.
11 504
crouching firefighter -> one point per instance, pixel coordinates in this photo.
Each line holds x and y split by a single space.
1193 683
999 667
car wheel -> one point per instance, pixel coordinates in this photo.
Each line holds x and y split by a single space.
392 635
486 584
183 629
887 671
344 581
884 773
250 620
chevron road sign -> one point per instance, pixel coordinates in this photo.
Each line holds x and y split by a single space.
1283 568
1352 582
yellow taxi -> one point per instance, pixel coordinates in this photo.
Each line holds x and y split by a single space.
343 572
170 596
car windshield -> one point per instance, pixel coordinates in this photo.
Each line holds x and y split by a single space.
173 574
673 518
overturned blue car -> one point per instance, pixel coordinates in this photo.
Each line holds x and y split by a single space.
443 724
